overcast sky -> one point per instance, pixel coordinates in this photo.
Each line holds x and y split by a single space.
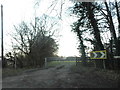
16 11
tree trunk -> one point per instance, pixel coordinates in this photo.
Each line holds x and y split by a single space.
118 17
83 57
118 41
93 22
98 45
110 21
4 63
112 30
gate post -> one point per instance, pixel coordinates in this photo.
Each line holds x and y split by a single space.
45 62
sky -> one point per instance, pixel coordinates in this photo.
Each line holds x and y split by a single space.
16 11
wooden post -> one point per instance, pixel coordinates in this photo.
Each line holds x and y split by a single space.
45 62
104 66
76 61
15 61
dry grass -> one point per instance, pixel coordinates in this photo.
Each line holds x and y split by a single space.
104 73
11 72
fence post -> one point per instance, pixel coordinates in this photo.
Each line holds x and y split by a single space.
45 62
76 61
104 65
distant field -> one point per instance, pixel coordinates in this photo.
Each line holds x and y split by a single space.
55 63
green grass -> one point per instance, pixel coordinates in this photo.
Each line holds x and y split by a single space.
55 63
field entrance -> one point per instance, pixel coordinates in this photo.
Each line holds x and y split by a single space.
56 61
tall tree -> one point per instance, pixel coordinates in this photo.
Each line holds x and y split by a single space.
35 42
112 27
118 18
93 21
118 15
110 21
76 29
86 9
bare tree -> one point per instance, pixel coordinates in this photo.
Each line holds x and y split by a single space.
36 41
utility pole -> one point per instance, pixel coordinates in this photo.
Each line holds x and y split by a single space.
2 52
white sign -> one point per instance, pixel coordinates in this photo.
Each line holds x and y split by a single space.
98 54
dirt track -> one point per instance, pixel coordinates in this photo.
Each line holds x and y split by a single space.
62 76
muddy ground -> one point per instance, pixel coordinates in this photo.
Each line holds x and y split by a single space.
61 76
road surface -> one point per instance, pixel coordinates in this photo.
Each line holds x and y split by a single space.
62 76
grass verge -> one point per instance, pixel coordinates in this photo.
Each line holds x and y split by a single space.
6 72
103 73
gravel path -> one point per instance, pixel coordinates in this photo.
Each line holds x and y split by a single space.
61 76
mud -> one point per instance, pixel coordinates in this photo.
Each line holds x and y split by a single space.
62 76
